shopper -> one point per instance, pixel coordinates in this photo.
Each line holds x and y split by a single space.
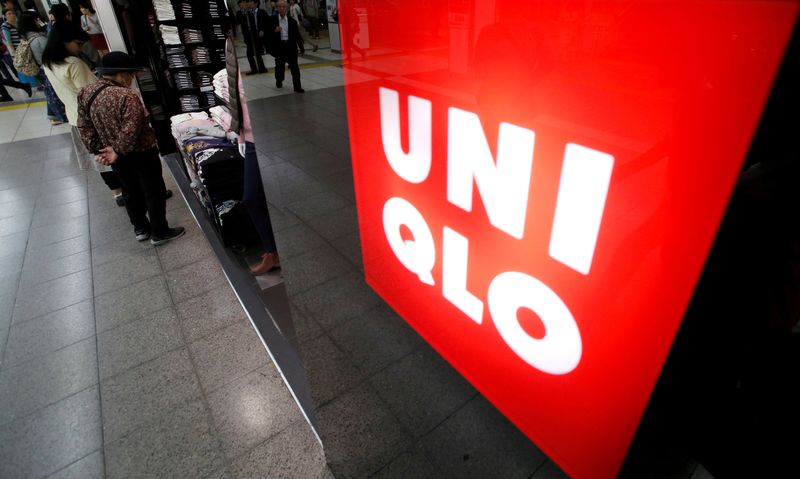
91 25
254 22
311 11
296 12
31 33
114 125
61 14
284 41
9 37
68 73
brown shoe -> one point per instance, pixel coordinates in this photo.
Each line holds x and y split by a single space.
269 262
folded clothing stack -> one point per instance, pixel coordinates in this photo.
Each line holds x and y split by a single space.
191 35
216 9
189 102
209 99
183 80
194 127
204 79
169 34
184 9
176 57
216 32
146 82
221 116
200 56
164 10
221 85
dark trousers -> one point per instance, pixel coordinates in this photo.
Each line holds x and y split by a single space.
111 180
4 95
255 50
144 190
285 53
8 66
255 200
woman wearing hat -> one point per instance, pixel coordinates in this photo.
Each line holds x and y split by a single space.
114 125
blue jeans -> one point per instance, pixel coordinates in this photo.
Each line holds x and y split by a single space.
255 200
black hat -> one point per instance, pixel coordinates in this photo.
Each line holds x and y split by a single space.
118 62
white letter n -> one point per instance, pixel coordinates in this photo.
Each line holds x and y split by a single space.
503 187
414 166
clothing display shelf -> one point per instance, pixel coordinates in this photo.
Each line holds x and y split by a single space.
191 36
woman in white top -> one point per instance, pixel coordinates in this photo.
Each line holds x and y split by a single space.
68 74
91 25
297 14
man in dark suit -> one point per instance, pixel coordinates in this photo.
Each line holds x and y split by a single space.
283 43
254 23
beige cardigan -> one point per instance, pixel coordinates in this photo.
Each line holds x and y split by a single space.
67 79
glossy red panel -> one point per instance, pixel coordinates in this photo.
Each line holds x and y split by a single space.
539 182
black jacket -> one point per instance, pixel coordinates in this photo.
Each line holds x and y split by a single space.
251 25
274 43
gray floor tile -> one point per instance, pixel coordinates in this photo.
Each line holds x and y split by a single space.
303 272
46 215
328 369
338 300
42 272
349 246
296 240
478 441
184 446
29 386
227 354
195 279
78 179
14 224
252 409
409 464
12 262
55 251
19 194
52 438
6 310
147 393
376 339
3 337
359 434
294 452
89 467
57 232
422 390
207 313
336 223
16 208
120 250
15 245
549 470
189 249
140 265
317 205
281 219
137 342
304 326
122 233
53 295
9 283
130 303
49 333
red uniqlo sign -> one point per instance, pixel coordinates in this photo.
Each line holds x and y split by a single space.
539 182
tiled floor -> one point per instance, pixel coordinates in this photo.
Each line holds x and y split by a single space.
118 359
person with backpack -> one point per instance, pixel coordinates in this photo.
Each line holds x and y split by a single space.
28 60
9 37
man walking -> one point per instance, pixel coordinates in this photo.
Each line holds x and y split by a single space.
113 124
284 42
254 23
